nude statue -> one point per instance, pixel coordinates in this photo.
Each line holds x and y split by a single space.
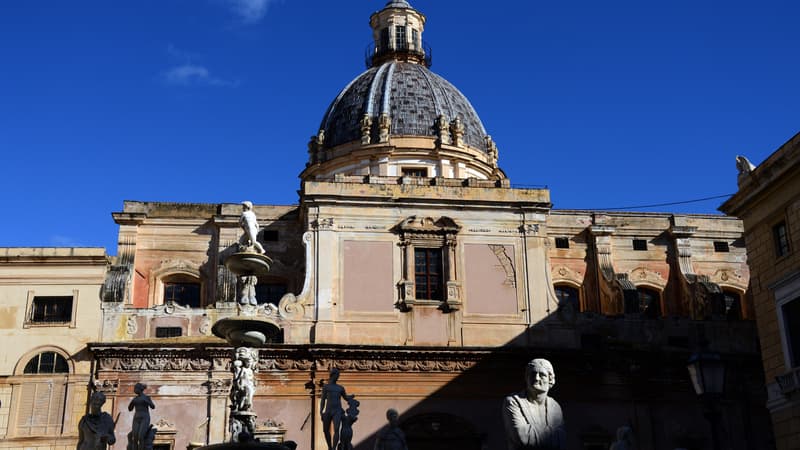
140 429
331 406
391 437
244 384
533 421
346 442
249 224
96 429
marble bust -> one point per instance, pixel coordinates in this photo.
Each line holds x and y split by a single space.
532 419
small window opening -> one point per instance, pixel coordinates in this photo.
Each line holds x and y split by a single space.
721 247
184 294
270 235
568 297
649 303
51 309
421 172
640 245
270 293
781 237
562 242
169 332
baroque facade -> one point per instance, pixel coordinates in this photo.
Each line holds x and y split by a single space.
768 202
413 267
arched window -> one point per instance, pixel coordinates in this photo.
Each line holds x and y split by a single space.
270 292
568 297
39 398
46 363
649 302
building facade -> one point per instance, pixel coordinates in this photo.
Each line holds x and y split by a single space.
768 202
412 266
49 312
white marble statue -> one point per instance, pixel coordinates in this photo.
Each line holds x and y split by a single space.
96 429
533 421
249 224
244 380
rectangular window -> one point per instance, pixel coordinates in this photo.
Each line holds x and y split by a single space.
414 172
384 46
428 273
721 247
640 245
184 294
791 325
270 293
400 42
415 39
169 332
562 242
51 309
781 237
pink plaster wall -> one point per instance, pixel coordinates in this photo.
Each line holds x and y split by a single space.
488 280
429 326
368 284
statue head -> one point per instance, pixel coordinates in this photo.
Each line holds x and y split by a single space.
334 375
539 376
138 388
247 206
96 403
393 417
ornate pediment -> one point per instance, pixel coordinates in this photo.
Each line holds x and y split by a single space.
563 273
643 275
427 225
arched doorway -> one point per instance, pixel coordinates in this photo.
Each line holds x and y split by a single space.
439 431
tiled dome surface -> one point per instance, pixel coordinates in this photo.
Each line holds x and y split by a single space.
411 94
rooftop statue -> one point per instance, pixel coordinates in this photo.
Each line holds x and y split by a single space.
533 421
96 428
249 224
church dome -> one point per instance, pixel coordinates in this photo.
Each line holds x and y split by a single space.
399 119
409 93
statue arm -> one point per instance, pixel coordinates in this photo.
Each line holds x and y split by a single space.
518 430
323 396
109 424
150 403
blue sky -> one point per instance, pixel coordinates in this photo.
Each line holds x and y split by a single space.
609 104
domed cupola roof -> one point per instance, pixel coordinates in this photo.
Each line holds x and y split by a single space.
398 118
409 93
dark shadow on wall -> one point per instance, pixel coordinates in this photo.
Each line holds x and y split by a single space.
610 372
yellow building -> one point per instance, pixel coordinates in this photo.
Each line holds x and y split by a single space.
49 311
768 202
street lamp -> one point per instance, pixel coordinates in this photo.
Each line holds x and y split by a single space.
707 372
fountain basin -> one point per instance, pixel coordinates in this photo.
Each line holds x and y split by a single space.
246 331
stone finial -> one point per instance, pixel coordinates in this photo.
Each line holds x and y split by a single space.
384 127
366 129
491 148
457 132
442 130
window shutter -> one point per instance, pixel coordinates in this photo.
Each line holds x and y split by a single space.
41 408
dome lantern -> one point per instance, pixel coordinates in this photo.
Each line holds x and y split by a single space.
397 35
